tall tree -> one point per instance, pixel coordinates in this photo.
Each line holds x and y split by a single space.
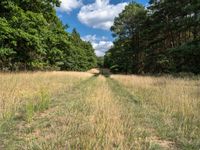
164 38
33 38
127 30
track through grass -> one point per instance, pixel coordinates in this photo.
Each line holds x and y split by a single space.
139 130
99 112
168 109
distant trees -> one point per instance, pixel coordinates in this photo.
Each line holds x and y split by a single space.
81 56
33 38
100 61
164 38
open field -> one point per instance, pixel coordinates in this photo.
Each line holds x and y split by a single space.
73 110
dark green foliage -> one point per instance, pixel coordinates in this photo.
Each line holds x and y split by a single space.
186 58
100 62
164 38
33 38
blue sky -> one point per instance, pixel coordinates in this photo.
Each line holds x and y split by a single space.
92 19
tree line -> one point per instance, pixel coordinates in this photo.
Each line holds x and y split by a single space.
162 38
33 38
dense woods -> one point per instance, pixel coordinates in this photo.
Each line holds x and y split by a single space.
163 38
33 38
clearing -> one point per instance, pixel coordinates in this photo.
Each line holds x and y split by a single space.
74 110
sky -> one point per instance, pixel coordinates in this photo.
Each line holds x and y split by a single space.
93 19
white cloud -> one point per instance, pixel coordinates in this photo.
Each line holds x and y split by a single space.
90 38
99 53
69 5
101 45
100 14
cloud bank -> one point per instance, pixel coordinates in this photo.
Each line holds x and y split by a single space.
100 14
69 5
101 45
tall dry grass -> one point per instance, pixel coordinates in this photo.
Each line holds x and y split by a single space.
170 94
19 88
121 112
174 103
106 125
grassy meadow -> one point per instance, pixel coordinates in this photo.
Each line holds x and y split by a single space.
74 110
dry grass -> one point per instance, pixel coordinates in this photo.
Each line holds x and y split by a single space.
94 71
172 105
105 119
69 110
172 95
17 89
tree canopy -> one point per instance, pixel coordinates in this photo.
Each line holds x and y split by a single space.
163 38
33 38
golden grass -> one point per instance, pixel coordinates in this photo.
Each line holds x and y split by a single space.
58 127
173 101
19 88
170 94
94 71
94 112
106 124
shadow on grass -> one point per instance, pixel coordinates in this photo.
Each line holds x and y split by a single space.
101 71
105 72
96 74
